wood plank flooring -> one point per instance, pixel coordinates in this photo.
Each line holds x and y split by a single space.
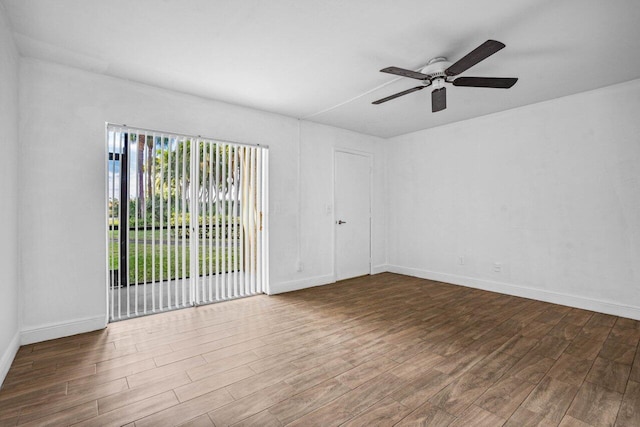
377 350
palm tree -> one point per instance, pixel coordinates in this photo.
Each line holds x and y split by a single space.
169 160
140 174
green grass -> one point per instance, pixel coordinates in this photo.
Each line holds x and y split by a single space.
145 254
157 234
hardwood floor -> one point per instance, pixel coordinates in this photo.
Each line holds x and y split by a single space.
377 350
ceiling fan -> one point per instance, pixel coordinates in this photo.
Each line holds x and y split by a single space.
440 71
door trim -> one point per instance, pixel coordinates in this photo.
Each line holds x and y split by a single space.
241 243
369 155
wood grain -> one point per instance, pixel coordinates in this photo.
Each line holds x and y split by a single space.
551 398
386 412
635 369
187 410
427 415
262 419
609 374
569 421
375 350
201 421
458 395
526 418
476 416
505 396
596 405
300 404
532 368
618 351
629 414
569 369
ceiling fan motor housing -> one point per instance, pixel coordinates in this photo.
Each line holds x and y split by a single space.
436 67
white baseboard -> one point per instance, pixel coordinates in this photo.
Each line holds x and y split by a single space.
7 357
296 285
602 306
382 268
62 329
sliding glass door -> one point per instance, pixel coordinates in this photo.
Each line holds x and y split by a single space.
186 221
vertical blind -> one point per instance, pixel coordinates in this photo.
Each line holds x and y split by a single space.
186 221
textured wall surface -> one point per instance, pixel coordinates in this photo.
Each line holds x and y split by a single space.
9 285
542 201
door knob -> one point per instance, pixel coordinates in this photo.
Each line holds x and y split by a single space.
340 222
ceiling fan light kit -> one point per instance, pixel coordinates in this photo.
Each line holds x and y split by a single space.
439 71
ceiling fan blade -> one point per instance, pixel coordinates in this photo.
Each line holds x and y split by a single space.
438 99
405 73
494 82
399 94
478 54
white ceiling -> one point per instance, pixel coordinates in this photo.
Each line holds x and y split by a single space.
301 57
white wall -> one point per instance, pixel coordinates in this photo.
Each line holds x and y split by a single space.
550 191
62 180
9 290
317 157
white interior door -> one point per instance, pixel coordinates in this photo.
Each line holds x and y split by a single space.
352 189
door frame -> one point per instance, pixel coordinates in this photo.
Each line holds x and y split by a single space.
368 155
117 150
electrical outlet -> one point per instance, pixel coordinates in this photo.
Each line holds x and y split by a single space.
299 266
461 260
497 267
328 209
